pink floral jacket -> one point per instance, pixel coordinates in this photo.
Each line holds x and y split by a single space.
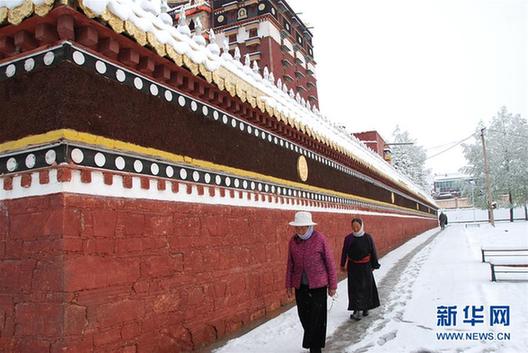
314 257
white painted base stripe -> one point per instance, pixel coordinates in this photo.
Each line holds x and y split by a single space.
97 187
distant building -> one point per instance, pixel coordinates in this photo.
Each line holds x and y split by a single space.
448 186
374 141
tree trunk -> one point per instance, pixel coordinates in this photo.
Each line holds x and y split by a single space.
525 212
511 206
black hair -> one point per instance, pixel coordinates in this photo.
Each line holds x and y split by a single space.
358 220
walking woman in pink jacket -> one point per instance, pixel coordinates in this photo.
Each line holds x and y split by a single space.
311 272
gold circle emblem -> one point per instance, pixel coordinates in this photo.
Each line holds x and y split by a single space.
302 168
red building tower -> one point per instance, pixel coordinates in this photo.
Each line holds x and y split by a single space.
194 10
274 36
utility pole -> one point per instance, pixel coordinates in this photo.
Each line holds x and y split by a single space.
487 179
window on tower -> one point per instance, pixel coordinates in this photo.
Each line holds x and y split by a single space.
299 39
242 13
287 26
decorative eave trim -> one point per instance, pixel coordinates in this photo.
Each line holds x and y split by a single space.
83 150
71 179
53 55
221 78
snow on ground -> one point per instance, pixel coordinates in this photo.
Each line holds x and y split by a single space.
449 272
428 271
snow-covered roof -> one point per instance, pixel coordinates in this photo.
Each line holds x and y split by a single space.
451 176
147 22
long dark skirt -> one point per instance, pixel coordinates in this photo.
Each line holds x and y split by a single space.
311 307
362 290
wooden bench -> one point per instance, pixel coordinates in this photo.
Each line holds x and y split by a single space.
503 251
511 266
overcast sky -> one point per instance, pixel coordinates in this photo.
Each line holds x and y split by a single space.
433 67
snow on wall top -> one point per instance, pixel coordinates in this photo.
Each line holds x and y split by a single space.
148 23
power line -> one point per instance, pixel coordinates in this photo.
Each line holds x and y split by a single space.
451 147
441 146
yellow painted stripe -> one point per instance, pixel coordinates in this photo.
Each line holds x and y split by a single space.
111 144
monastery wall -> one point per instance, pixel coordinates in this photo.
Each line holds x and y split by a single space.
94 274
144 201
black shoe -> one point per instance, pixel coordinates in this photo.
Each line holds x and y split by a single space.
355 315
365 312
315 350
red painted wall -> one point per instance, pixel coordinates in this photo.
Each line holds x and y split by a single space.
91 274
368 136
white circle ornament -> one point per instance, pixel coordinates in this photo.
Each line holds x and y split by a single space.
138 83
99 159
169 171
31 160
51 157
154 169
11 164
138 166
77 155
181 101
183 174
10 70
120 163
120 75
48 58
78 58
100 67
29 64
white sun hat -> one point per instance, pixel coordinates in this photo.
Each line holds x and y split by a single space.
302 219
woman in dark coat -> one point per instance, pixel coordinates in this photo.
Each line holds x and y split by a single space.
359 252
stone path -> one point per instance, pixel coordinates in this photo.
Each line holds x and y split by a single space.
395 290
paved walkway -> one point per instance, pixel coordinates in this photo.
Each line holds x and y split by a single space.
394 291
